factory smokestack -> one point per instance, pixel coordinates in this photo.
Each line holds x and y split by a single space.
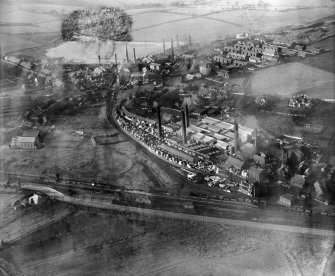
134 54
116 59
127 56
256 140
164 46
189 38
160 132
172 50
183 127
99 60
282 153
187 116
236 144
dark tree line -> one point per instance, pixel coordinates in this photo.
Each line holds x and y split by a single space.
104 24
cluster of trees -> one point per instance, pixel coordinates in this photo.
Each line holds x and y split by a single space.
103 24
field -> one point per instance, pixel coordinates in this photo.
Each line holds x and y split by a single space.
203 22
114 159
293 78
89 51
108 243
326 61
264 21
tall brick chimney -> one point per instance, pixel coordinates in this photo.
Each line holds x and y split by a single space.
183 127
134 51
256 140
187 116
160 131
172 49
236 144
127 56
164 46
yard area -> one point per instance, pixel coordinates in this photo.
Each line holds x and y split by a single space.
114 159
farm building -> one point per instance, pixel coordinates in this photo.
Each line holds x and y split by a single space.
20 142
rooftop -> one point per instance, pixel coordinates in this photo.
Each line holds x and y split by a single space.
177 152
33 132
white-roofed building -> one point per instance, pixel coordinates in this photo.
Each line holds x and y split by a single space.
222 144
229 134
213 128
225 125
195 128
219 136
24 142
210 120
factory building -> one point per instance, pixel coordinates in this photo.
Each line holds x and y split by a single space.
30 139
246 188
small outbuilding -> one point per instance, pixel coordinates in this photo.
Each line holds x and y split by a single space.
287 200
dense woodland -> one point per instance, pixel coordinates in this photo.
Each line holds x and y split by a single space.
103 24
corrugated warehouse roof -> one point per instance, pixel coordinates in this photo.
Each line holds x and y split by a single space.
225 125
219 136
203 138
198 136
199 129
196 128
230 135
210 120
208 139
177 152
221 144
213 128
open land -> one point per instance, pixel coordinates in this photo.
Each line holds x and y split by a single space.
203 22
114 160
141 245
290 79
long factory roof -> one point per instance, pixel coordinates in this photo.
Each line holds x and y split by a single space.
177 152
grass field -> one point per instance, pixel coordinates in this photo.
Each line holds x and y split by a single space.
290 79
325 61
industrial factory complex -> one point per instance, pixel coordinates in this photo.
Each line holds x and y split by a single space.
202 138
183 104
